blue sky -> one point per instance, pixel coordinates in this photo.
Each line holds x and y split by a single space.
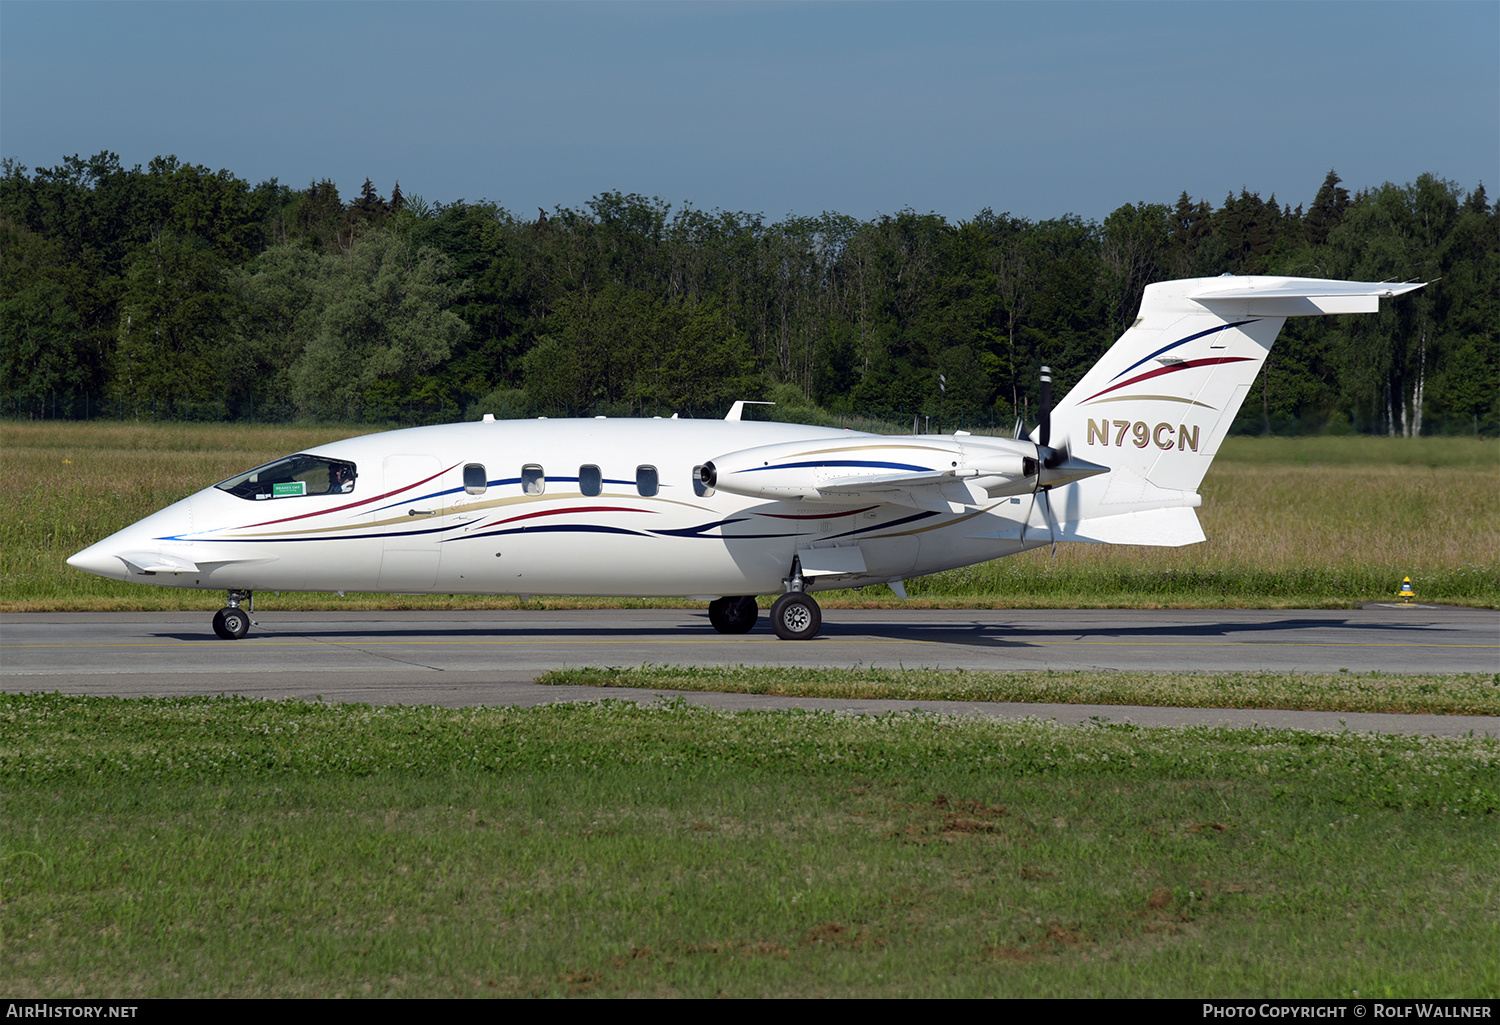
1036 109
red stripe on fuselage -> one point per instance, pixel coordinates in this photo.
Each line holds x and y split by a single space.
1186 365
351 505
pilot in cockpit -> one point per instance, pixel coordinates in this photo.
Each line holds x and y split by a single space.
340 478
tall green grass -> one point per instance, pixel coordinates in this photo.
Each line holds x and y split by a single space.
1290 522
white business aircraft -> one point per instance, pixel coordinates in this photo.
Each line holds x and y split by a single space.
723 510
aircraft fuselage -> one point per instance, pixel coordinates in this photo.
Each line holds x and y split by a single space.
567 507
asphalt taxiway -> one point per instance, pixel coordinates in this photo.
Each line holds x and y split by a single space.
464 658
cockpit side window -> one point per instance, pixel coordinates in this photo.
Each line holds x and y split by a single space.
294 477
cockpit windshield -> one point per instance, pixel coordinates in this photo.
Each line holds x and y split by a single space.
293 477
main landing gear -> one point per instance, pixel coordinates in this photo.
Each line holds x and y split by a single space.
794 616
232 622
733 615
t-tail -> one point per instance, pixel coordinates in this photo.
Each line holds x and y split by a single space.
1158 405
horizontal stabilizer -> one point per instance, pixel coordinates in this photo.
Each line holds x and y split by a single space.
1299 297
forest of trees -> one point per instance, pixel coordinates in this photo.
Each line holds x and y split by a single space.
173 291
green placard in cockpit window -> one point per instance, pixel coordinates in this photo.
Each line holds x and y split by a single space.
289 488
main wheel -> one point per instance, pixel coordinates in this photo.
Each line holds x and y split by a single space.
231 623
796 617
733 615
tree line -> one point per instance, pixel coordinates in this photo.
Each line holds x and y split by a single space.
187 289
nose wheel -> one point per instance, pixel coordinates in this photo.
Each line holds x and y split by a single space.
796 617
232 622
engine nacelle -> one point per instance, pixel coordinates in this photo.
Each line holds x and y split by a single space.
868 466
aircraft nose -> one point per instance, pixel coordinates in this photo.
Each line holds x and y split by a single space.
113 557
99 560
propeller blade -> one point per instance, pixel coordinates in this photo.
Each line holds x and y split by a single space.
1044 437
1051 523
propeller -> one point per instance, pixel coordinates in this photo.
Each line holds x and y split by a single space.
1051 522
1050 457
1045 435
1056 465
1046 498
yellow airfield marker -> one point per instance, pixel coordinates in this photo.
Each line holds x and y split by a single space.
1407 595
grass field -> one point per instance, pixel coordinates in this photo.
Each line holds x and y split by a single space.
1291 522
1435 694
221 847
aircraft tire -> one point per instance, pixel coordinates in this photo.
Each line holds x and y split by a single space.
733 615
231 623
796 617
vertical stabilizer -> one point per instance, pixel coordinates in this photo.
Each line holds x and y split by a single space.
1157 406
1164 396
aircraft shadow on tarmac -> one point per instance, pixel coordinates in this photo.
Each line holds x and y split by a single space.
971 633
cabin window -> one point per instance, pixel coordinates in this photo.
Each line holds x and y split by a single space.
646 480
293 477
701 489
533 480
475 480
590 480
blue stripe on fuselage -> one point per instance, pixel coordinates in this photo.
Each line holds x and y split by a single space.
863 463
1181 341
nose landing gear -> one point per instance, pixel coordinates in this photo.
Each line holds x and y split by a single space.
232 622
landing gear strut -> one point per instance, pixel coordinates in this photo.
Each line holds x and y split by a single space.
733 615
232 622
795 616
